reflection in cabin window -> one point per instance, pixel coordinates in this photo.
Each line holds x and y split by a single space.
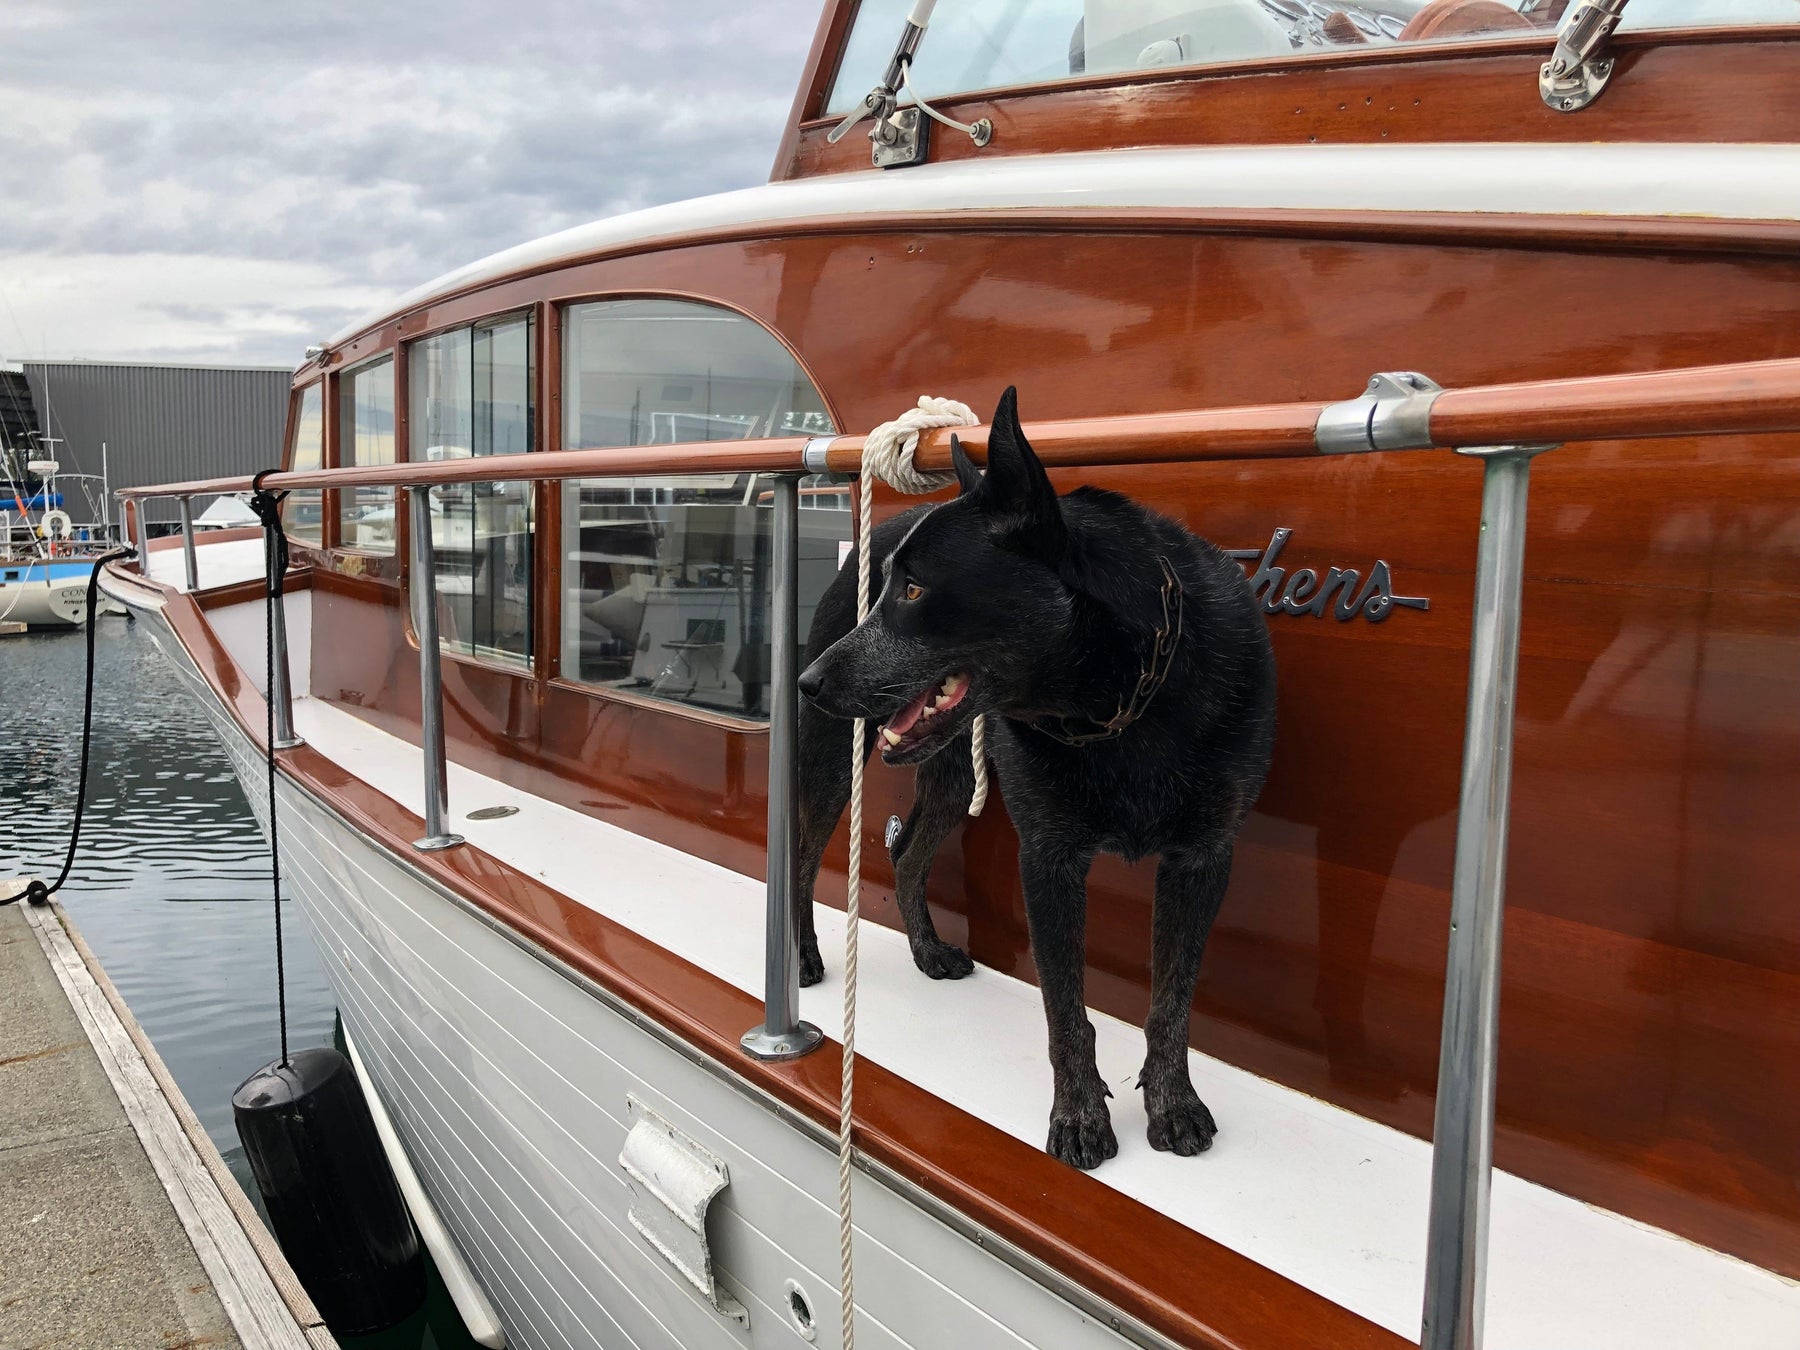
366 436
666 579
303 511
471 395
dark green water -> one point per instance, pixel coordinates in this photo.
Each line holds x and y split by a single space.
171 886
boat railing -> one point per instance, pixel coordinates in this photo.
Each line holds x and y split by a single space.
1503 426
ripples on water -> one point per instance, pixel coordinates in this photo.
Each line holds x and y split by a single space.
171 885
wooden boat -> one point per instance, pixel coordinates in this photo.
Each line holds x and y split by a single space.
1191 260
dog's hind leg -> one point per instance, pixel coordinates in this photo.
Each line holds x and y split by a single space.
1190 886
1055 877
824 750
941 791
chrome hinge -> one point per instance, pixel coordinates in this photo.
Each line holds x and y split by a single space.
1394 414
901 136
1575 73
673 1181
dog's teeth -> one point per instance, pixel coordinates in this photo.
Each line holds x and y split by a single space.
929 710
888 735
953 685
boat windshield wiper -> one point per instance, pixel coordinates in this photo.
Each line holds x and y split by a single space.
901 136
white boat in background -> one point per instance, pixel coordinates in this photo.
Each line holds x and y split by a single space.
46 556
45 594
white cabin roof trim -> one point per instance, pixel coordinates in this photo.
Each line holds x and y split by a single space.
1716 182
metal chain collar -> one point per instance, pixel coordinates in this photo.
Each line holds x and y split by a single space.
1079 731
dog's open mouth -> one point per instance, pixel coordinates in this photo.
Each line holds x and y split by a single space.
926 720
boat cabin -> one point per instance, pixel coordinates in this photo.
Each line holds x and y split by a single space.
1244 205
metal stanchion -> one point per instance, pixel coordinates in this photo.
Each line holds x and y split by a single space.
431 683
782 1034
281 688
141 523
191 562
1462 1149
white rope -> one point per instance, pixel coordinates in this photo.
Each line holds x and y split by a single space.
888 455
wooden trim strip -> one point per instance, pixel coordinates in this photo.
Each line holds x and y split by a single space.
1180 1285
298 578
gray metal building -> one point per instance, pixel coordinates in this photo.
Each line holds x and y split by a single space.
161 423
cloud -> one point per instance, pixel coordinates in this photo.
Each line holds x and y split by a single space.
161 154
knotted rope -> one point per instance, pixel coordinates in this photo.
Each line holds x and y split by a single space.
888 455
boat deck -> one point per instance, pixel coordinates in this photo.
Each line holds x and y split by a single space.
1325 1197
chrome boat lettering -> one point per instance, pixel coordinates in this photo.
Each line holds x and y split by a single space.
1303 592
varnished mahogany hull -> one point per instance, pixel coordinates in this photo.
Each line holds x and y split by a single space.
1651 1007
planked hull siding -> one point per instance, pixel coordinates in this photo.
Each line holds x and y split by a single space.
507 1079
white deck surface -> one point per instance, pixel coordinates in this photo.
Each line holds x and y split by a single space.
1323 1196
220 562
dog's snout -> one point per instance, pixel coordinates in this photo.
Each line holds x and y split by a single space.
811 681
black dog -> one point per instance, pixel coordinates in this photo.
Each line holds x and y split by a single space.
1127 678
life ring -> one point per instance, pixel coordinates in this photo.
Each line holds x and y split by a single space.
56 525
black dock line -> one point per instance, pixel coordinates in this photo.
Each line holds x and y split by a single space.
36 891
267 506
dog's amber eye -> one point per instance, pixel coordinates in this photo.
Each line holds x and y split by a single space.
914 590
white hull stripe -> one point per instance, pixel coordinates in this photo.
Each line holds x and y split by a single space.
1716 182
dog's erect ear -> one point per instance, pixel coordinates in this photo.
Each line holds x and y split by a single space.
968 475
1016 494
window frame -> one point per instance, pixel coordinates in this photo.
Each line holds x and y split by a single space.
369 560
535 667
551 557
290 444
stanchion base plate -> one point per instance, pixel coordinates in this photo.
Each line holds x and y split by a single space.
760 1043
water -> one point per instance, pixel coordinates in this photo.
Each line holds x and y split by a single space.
171 885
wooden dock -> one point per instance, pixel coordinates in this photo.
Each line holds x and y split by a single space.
119 1222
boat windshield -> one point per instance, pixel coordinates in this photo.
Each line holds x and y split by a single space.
988 44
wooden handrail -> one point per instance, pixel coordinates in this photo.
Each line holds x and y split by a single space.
1749 397
781 455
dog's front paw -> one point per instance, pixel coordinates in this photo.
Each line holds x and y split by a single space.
812 965
941 961
1182 1126
1082 1136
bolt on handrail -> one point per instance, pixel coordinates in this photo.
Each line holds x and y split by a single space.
1505 426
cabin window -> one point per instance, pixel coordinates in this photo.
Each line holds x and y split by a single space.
303 512
470 394
366 436
989 44
666 578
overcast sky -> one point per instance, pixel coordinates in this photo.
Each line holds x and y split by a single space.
227 181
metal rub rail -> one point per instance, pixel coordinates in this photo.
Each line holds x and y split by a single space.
1504 426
